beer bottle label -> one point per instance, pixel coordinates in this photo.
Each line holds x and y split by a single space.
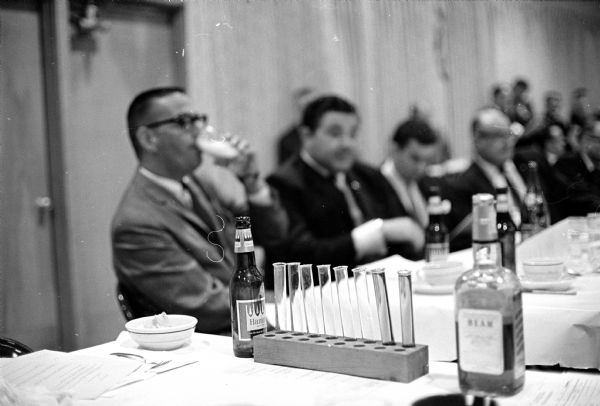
480 341
243 241
251 318
436 251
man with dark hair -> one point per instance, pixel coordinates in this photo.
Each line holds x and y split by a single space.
413 147
341 212
173 232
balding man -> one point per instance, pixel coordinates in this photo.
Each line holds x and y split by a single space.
492 167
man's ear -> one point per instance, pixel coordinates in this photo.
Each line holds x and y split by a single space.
146 139
305 134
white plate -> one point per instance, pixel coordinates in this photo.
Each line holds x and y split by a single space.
427 289
563 283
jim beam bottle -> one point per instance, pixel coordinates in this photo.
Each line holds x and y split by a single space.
246 293
488 314
507 229
437 246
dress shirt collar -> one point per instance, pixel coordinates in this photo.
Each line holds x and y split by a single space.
174 187
320 169
500 176
492 172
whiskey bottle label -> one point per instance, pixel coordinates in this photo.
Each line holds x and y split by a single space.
251 318
243 241
480 341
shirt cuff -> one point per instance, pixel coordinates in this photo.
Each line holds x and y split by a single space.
368 239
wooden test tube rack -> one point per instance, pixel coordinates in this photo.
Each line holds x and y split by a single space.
343 355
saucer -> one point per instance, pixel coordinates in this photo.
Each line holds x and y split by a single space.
563 283
427 289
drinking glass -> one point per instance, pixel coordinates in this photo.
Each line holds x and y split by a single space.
578 239
330 309
593 223
310 305
279 292
297 309
364 303
343 290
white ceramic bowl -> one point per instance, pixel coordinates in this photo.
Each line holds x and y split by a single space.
543 269
441 273
162 338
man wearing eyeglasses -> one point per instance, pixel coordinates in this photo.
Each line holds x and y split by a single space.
492 167
173 232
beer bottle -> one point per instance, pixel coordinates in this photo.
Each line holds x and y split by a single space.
489 314
506 230
246 293
534 211
437 245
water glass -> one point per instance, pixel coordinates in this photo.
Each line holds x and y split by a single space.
578 240
593 223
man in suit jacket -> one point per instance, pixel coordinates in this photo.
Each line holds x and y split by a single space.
341 212
492 167
582 169
413 147
173 232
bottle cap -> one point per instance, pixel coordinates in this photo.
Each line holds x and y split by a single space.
484 218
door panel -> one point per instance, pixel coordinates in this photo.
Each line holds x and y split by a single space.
28 300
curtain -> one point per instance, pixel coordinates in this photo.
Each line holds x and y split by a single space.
245 58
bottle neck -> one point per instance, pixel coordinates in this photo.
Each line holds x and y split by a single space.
245 260
502 204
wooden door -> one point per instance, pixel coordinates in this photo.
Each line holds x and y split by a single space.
28 285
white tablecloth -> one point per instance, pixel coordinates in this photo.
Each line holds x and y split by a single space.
221 379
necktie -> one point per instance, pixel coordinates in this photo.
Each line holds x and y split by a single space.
199 203
418 204
514 199
353 208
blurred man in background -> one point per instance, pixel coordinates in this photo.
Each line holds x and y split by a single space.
341 212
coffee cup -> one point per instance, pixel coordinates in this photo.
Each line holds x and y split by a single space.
543 269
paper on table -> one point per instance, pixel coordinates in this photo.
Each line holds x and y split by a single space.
85 376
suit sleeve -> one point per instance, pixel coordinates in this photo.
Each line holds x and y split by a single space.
300 243
158 267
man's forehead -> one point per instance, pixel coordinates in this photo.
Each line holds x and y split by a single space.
339 118
493 120
172 102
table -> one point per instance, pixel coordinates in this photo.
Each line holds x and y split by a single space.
558 329
221 379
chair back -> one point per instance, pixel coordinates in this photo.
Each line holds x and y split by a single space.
10 348
133 305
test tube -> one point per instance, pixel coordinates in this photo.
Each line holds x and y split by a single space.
343 291
363 301
383 307
279 292
297 313
406 308
308 292
330 309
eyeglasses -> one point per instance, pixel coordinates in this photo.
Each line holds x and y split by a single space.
185 121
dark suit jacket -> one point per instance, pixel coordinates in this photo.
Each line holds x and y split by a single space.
320 223
583 188
460 188
162 251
